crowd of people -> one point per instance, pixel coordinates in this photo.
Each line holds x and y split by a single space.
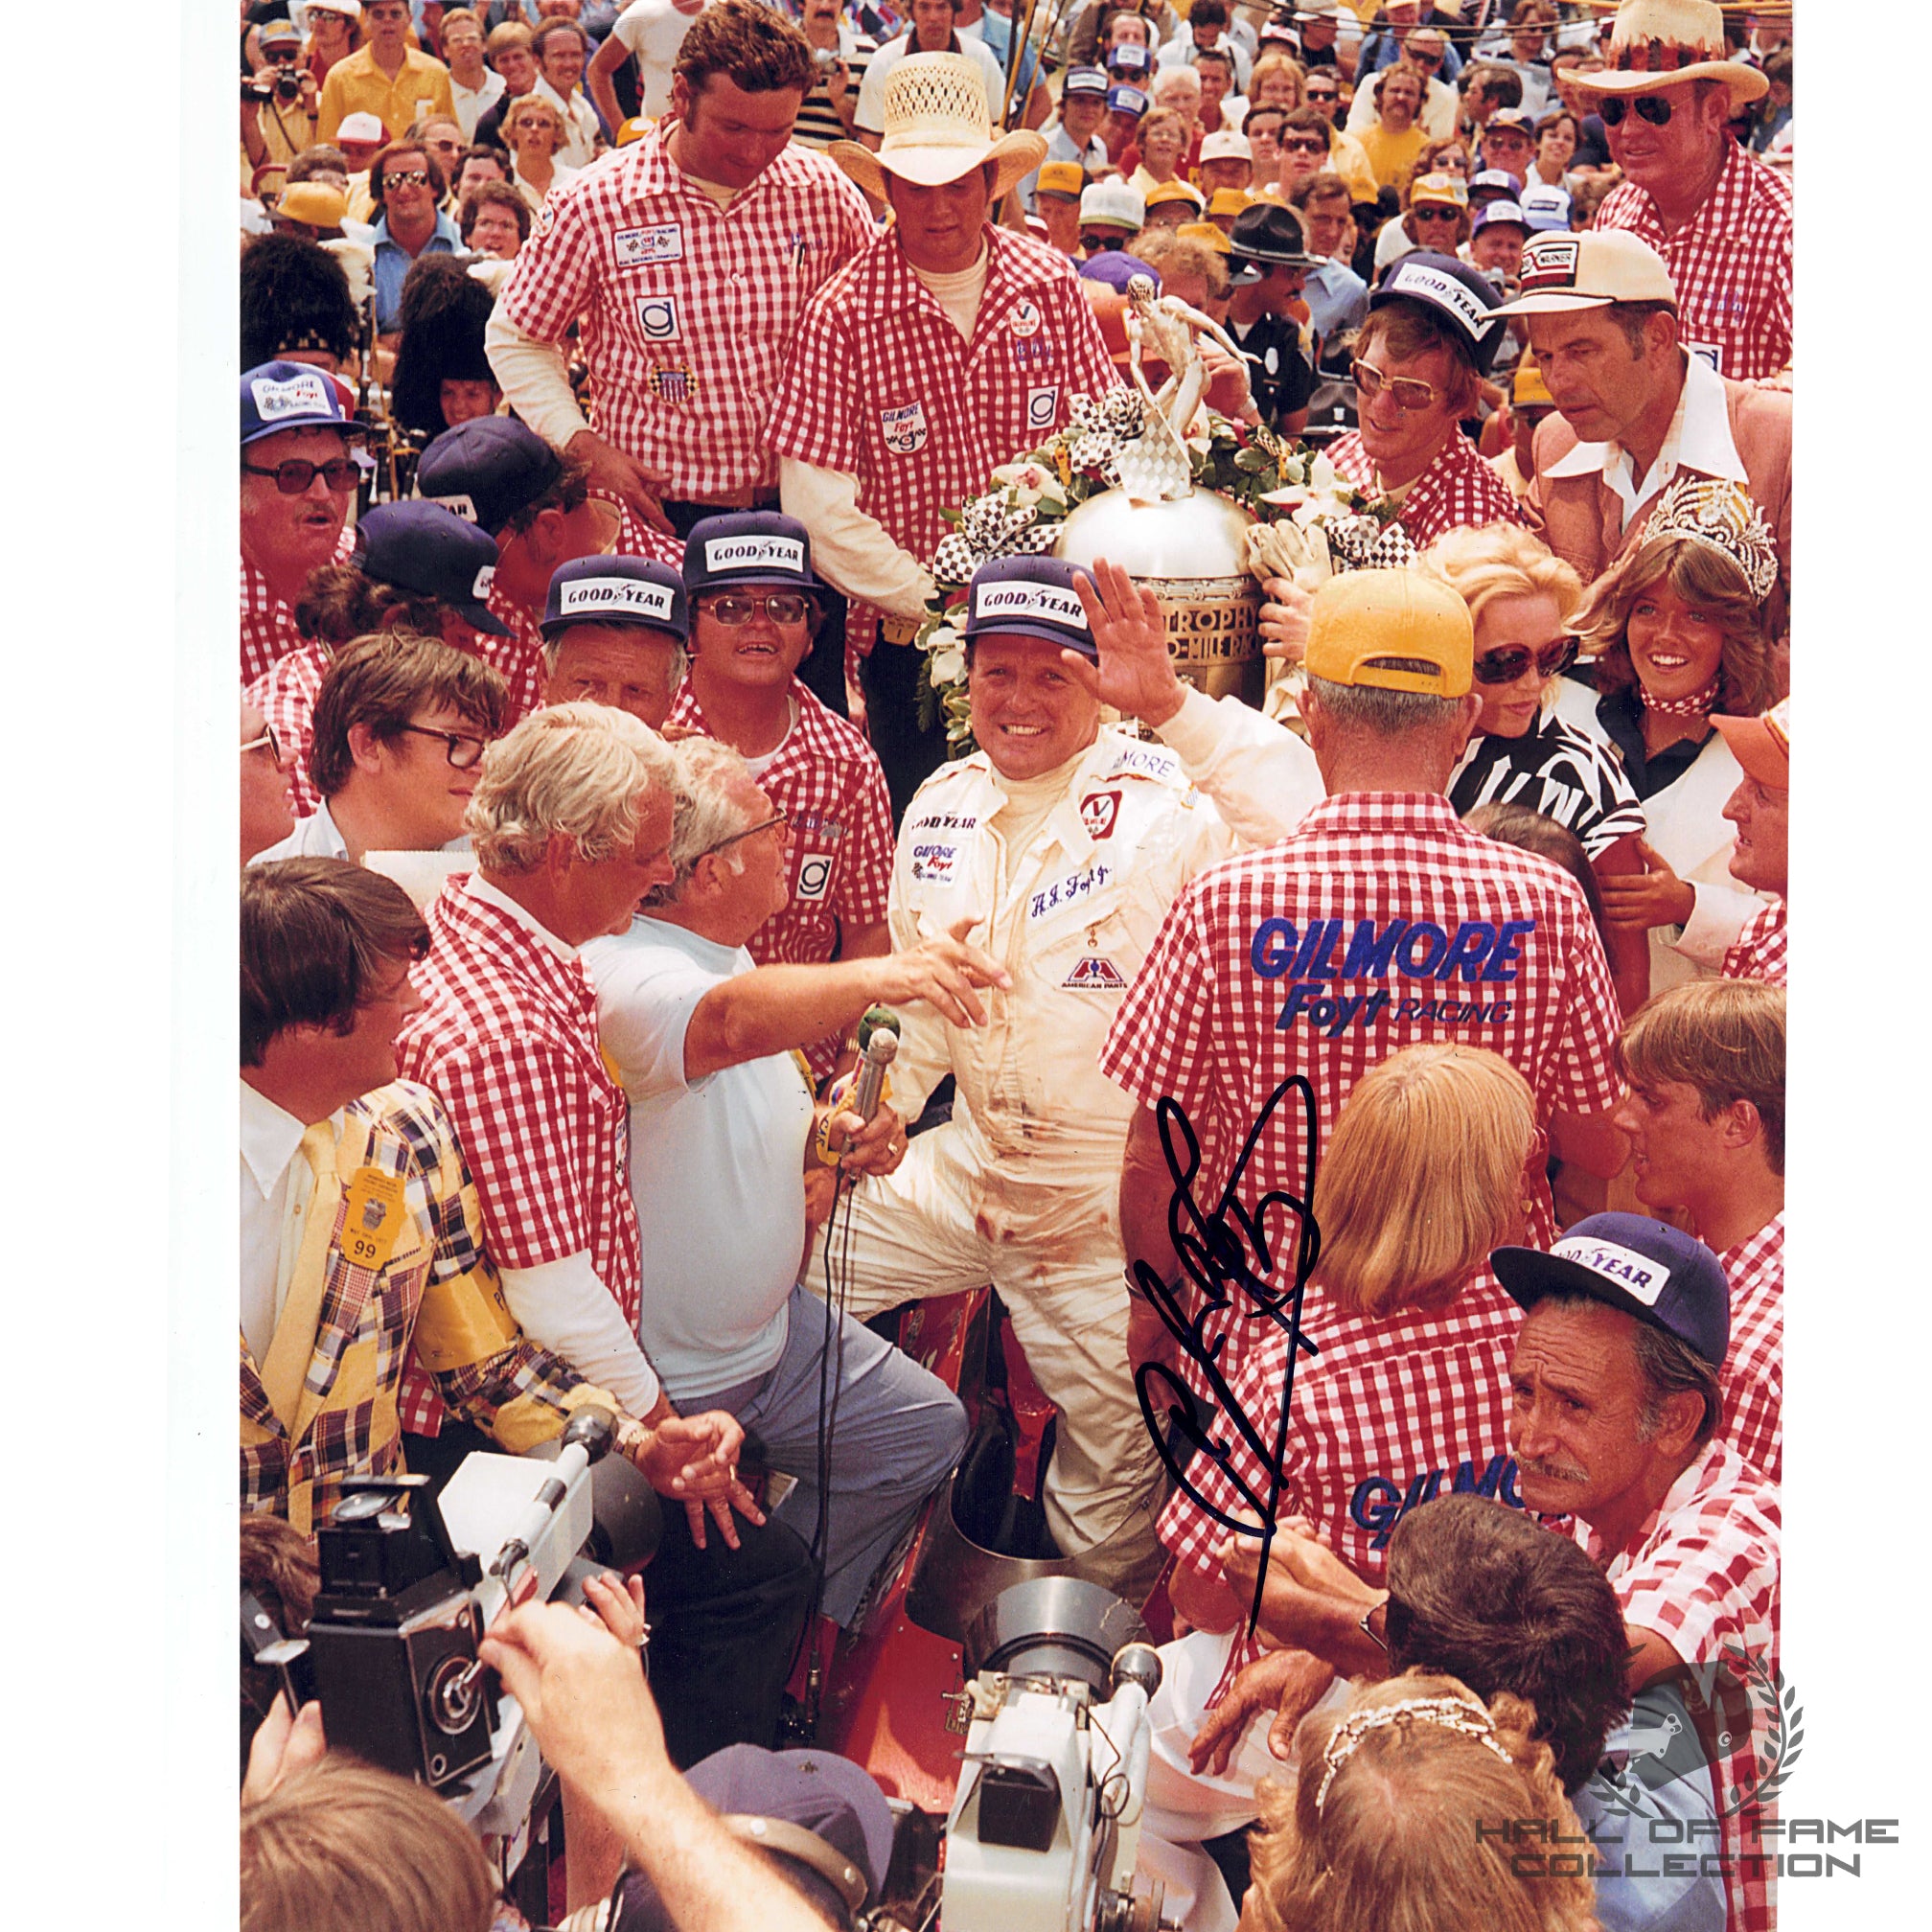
1366 1107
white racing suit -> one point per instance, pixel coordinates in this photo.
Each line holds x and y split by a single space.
1021 1188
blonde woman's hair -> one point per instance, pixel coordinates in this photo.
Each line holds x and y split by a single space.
1396 1843
1423 1176
1276 67
346 1847
521 109
578 770
1503 559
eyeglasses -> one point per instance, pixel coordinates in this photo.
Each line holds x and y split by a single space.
1508 662
1654 109
1407 392
1424 56
460 749
1324 93
295 476
750 832
1312 145
267 742
409 177
782 606
1101 244
1434 210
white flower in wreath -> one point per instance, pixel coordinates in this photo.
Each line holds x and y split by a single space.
1031 483
1322 475
946 662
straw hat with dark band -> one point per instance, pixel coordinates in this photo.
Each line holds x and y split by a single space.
1664 43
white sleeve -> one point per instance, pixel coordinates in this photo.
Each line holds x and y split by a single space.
645 996
850 548
564 1307
1715 921
1261 778
1362 110
869 116
535 379
632 26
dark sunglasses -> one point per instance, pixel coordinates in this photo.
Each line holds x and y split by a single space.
1305 147
409 177
1507 664
1434 210
1654 109
295 476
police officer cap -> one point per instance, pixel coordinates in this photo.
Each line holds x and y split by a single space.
1029 597
616 590
748 547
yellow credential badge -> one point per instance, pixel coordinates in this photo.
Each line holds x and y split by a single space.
371 1218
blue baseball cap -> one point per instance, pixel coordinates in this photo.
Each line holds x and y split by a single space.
1544 206
1126 60
428 550
616 590
1494 181
748 547
1455 291
486 470
1029 597
1505 212
1647 1267
1129 99
278 396
1084 81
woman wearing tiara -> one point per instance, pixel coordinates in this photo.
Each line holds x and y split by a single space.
1675 631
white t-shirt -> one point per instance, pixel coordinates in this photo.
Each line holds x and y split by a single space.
717 1166
651 32
871 110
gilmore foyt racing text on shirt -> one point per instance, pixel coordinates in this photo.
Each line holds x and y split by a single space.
1463 977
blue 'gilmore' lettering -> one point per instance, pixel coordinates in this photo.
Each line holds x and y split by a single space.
1263 954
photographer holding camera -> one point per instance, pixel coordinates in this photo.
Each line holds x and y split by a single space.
279 100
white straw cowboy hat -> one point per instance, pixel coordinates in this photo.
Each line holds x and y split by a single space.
1665 43
936 129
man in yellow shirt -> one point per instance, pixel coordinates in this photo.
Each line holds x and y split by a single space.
389 77
1393 140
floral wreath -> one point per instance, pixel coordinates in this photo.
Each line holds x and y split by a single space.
1020 512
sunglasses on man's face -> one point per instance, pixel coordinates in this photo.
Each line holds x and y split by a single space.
410 178
295 476
1305 145
1507 662
1434 211
1654 109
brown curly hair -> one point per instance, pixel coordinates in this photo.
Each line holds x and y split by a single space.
1703 578
1423 1829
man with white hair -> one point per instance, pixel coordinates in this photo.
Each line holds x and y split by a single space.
726 1179
945 348
571 823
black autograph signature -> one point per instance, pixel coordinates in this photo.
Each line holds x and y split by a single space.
1224 1255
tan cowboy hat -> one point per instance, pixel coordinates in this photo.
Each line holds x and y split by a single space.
936 129
1665 43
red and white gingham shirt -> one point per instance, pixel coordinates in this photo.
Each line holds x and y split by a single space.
1730 263
826 780
269 629
1320 956
688 308
1458 491
883 387
1758 951
507 1037
1703 1574
1388 1414
1753 1363
286 695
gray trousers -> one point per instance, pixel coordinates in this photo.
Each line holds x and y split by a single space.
899 1432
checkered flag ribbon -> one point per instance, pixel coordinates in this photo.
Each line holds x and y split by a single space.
1102 425
1154 467
989 528
1362 543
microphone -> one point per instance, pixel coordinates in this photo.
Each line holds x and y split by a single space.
877 1044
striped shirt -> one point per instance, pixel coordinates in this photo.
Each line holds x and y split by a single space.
1556 770
819 125
688 310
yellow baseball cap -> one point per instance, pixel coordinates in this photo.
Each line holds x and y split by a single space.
1176 191
1395 630
1061 177
1207 235
1530 391
1227 201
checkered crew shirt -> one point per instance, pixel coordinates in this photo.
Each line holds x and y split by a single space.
826 780
1388 1415
1730 263
269 629
883 387
1381 892
688 310
1758 951
508 1040
1753 1363
407 1135
1458 491
1703 1574
286 695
